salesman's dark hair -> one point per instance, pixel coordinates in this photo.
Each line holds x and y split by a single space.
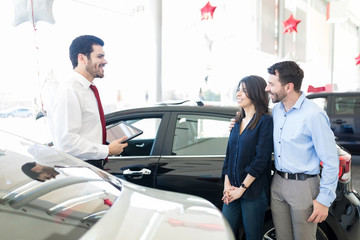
26 168
84 45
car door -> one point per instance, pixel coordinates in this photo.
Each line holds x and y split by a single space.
193 155
345 121
138 162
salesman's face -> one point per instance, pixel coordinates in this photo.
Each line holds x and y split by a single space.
95 65
47 173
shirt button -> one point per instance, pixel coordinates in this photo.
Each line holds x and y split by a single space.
278 155
279 142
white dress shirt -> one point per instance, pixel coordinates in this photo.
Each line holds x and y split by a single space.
74 121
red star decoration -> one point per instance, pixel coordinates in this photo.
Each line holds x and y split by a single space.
290 25
207 12
357 60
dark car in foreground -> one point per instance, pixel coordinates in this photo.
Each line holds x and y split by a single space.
343 109
46 194
183 148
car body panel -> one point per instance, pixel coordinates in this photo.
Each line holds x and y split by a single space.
343 110
83 202
202 172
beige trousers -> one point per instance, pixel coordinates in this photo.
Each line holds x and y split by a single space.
292 205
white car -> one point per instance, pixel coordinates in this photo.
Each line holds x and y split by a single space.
46 194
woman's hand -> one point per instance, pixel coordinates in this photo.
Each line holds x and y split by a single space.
226 191
235 193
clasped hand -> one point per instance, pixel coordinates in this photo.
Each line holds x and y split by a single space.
231 193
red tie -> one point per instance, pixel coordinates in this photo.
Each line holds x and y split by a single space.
101 112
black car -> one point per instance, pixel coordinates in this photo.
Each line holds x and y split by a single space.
343 109
183 148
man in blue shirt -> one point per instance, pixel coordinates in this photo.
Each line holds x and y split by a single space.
302 139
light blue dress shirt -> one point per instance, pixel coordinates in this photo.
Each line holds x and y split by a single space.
303 138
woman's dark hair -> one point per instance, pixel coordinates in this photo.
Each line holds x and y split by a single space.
84 45
255 91
288 72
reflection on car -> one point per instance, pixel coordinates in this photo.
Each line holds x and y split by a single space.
46 194
183 148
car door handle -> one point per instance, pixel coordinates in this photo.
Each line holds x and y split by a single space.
143 171
140 145
339 121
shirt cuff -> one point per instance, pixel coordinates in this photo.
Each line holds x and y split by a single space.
104 151
324 200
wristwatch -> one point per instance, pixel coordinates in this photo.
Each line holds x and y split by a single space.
243 186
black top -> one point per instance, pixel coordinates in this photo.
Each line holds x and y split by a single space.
250 153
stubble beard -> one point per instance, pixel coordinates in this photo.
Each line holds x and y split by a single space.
96 73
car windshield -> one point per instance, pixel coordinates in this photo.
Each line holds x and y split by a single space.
39 183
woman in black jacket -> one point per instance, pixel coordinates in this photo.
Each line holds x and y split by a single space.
247 166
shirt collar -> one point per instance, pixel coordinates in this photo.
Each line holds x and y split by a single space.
297 104
80 78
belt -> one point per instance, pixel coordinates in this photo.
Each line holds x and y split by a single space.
295 176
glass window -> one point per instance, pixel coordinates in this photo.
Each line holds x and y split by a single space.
149 126
346 105
321 102
200 135
142 145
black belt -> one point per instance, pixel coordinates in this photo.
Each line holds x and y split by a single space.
295 176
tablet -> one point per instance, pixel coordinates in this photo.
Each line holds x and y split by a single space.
121 129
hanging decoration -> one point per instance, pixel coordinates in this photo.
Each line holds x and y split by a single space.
290 25
357 60
33 11
207 12
313 89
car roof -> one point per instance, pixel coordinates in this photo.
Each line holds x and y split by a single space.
208 109
323 94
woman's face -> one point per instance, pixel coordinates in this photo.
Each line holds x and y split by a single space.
241 96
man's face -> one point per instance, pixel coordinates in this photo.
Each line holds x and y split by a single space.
275 89
95 65
47 173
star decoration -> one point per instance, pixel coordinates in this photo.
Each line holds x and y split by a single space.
207 12
357 60
290 25
33 11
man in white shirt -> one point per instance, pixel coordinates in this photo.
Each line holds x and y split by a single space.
74 115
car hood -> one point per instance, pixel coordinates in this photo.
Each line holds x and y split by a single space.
144 213
80 201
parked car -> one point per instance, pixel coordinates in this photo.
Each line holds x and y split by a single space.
16 112
182 149
343 109
5 113
46 194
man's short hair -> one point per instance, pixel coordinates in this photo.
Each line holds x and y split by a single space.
84 45
288 72
26 168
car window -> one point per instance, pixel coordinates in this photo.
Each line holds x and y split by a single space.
200 135
142 145
321 102
347 105
149 126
